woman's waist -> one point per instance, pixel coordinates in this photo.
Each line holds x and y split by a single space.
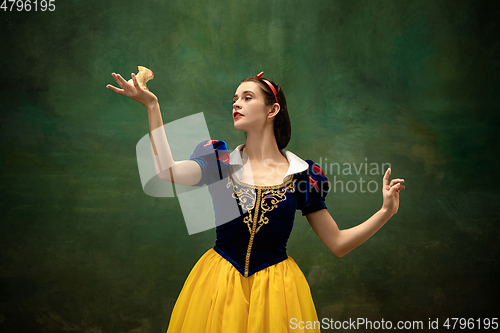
258 250
251 260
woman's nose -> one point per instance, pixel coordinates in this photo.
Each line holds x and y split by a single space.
236 105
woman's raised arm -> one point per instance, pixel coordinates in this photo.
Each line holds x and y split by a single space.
181 172
341 242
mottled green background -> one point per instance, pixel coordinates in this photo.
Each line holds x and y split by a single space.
411 83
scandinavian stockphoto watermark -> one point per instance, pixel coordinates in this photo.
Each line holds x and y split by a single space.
339 175
337 172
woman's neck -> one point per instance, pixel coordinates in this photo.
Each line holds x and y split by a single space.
262 146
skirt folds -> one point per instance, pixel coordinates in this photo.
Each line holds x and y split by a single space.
216 298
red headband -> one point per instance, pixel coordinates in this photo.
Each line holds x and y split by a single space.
269 84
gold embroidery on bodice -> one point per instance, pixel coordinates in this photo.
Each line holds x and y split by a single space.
267 199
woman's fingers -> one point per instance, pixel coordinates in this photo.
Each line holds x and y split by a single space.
116 90
386 177
395 189
136 84
132 90
393 182
396 181
121 81
128 89
117 79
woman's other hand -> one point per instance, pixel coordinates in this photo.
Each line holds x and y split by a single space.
390 192
143 96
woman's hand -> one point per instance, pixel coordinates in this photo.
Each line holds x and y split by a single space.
390 192
143 96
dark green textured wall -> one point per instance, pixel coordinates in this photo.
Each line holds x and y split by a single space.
411 83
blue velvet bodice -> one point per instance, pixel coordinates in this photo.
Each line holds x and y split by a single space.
254 222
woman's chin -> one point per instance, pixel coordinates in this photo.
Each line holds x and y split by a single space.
238 126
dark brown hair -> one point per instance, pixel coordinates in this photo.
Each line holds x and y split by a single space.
282 126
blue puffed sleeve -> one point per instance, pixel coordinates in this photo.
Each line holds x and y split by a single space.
213 158
313 187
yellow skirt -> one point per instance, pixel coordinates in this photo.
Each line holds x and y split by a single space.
216 298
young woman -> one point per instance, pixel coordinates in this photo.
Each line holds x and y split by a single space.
246 282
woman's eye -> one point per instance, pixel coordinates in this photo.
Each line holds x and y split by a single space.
248 97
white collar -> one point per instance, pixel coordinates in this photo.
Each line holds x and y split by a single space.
296 163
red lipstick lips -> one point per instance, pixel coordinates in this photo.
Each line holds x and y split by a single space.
237 115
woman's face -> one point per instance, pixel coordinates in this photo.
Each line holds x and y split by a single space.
249 109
